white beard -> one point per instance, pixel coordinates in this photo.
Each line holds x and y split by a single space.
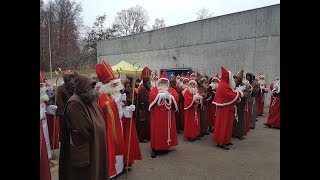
114 92
192 90
162 88
214 86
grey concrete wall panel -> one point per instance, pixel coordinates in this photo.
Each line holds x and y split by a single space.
248 40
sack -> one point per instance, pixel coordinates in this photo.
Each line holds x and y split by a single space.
79 154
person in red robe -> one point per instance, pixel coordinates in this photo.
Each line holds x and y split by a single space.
163 104
111 101
212 107
261 93
192 104
274 110
225 100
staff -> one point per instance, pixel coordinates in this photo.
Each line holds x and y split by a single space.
132 100
58 72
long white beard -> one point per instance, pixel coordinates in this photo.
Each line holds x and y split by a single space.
192 90
114 92
162 88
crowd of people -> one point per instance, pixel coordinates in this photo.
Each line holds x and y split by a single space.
98 125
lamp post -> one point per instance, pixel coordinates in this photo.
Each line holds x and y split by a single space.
49 48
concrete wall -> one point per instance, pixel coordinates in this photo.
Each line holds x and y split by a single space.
248 40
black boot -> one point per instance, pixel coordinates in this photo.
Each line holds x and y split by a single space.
153 153
223 147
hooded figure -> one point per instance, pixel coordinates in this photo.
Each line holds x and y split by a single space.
83 153
239 124
225 99
203 90
253 100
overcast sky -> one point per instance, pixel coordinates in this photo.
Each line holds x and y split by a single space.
172 11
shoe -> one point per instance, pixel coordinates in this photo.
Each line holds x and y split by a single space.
267 125
199 138
251 127
229 144
223 147
260 115
191 140
256 119
211 130
153 154
240 138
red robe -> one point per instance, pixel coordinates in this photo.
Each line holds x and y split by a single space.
274 110
115 139
57 129
225 100
45 173
261 101
192 116
135 153
162 121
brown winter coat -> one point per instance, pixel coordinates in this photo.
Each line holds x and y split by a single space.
85 157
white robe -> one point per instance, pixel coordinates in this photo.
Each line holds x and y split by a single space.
45 128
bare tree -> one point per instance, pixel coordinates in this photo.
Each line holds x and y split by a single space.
203 14
158 23
61 19
131 21
96 33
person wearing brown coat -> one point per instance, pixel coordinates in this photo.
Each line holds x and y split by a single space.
239 124
203 88
143 120
83 153
173 84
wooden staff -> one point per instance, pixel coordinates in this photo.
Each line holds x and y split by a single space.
132 100
58 72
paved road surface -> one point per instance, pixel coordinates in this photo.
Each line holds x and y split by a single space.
256 157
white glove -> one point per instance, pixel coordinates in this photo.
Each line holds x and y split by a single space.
131 107
166 95
120 98
241 88
197 96
162 95
53 106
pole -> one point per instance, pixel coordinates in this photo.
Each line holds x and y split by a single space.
49 48
132 100
57 71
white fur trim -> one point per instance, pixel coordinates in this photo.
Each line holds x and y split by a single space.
154 101
162 79
190 104
184 91
119 165
175 103
192 81
227 103
215 78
